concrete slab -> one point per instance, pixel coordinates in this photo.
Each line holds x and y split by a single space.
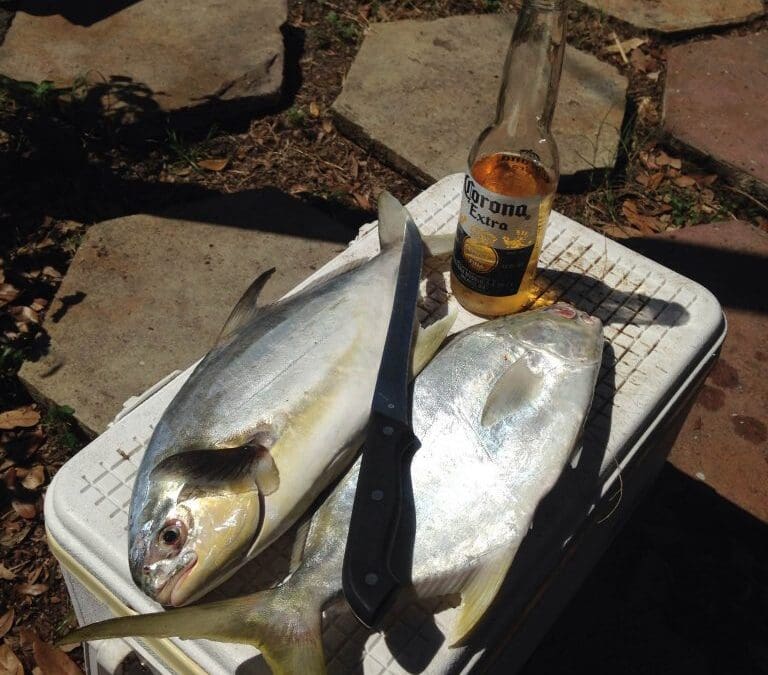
724 441
420 92
716 103
146 295
670 16
151 55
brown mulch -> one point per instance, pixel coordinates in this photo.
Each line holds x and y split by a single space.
63 168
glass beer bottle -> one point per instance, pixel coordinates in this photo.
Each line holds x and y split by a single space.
512 172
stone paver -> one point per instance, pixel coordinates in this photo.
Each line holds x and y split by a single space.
146 295
724 441
716 102
670 16
166 54
421 91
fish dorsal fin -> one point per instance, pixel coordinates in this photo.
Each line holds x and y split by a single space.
246 307
516 387
392 219
429 339
478 593
231 470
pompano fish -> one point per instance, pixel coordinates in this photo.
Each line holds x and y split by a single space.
268 419
499 412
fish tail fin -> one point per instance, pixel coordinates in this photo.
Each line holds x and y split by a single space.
393 217
285 628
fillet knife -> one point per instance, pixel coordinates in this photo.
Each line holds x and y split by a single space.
376 559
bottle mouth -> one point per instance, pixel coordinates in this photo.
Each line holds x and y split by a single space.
546 5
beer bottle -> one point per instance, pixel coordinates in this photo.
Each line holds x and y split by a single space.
512 172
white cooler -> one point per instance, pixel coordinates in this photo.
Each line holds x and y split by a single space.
663 332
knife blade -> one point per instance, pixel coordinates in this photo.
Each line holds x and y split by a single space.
375 560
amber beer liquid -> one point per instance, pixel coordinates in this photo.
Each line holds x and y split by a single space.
512 173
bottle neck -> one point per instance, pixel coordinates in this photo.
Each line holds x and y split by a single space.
532 69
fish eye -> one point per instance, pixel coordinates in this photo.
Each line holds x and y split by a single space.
173 534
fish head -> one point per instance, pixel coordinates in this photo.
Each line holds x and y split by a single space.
195 522
181 554
565 331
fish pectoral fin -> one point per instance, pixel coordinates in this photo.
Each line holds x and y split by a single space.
438 244
233 469
516 387
478 594
266 475
299 545
429 339
246 308
284 624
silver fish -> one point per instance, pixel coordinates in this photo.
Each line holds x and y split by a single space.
499 412
268 419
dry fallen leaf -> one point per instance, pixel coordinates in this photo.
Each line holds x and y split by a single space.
615 232
646 224
6 621
362 201
8 293
684 181
26 511
35 477
663 159
34 575
32 589
298 189
314 109
704 180
51 660
213 164
641 61
6 574
626 45
20 417
24 315
9 664
327 126
648 161
13 536
647 110
655 180
51 273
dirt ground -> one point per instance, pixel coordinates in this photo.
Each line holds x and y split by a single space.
65 166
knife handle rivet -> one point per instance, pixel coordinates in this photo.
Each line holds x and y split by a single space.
377 495
371 579
388 431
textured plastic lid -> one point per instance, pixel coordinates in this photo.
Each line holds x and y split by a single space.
660 328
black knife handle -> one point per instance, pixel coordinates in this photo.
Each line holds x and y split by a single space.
371 572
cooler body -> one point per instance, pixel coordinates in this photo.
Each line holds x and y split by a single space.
662 332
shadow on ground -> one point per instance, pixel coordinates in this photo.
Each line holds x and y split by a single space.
82 12
92 151
735 277
683 589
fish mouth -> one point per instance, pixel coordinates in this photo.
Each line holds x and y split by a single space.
169 594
